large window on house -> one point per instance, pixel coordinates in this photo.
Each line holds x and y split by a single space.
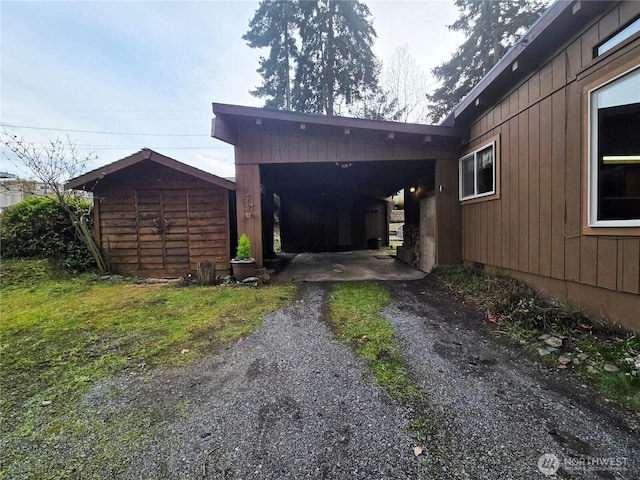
478 173
614 156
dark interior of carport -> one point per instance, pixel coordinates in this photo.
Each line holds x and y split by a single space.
328 179
326 207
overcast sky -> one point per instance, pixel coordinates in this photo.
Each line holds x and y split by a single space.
134 67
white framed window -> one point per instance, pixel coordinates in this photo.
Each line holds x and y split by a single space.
477 172
614 152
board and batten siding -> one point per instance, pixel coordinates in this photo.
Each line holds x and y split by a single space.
255 147
197 216
534 230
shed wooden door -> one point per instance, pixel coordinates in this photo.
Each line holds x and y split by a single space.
163 242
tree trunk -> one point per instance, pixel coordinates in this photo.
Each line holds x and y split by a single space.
89 241
206 273
287 91
329 74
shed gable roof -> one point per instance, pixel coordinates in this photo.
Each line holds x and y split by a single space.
89 179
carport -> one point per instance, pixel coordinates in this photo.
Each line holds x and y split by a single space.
333 176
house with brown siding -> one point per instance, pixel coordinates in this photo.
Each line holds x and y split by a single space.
157 217
535 174
549 182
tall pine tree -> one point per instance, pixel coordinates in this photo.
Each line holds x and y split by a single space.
326 43
274 25
491 27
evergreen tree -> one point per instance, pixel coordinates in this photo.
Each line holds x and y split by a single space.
274 26
491 27
377 104
308 88
334 62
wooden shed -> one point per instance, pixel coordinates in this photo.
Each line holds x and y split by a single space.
155 216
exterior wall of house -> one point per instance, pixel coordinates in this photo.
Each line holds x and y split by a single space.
441 185
448 228
269 147
155 221
536 229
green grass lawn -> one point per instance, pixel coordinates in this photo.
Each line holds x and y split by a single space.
58 336
355 318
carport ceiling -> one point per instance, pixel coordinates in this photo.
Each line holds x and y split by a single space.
374 179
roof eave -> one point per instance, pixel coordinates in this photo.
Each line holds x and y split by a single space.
224 129
525 47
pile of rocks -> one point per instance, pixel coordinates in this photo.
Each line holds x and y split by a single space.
229 281
634 362
560 345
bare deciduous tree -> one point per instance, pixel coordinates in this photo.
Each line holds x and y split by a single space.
407 83
53 164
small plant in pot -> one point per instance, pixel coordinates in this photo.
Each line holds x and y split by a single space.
243 265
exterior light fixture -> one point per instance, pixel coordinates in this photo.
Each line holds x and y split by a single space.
412 189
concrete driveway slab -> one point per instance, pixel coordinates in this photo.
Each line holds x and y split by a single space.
347 266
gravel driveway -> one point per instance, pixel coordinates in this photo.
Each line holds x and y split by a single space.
291 402
496 411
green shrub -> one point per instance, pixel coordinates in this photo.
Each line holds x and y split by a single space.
243 252
38 227
27 272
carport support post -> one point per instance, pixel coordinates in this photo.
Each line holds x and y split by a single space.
249 207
